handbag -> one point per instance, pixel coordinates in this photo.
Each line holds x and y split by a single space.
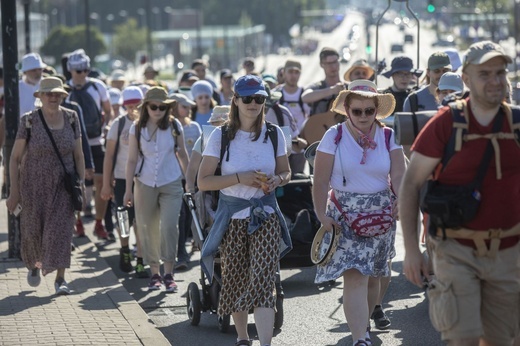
71 179
369 223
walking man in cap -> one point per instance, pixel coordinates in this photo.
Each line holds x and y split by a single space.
475 296
425 99
292 99
402 73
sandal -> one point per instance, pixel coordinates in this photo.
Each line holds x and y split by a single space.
381 320
246 342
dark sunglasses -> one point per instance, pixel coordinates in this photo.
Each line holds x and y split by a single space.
155 107
258 99
83 71
359 112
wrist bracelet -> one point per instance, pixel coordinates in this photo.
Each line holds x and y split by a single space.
238 179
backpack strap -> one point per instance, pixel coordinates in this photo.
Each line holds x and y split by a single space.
414 102
175 132
513 117
120 127
388 135
339 134
272 133
460 128
279 115
224 145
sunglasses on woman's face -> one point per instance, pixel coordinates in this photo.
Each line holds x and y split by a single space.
359 112
162 108
258 99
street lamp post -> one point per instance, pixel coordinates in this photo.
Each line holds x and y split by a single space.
87 26
27 25
149 31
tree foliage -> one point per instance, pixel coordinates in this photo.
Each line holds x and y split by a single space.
128 39
63 39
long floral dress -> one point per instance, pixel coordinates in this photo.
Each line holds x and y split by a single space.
47 217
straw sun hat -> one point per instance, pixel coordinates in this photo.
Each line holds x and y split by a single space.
50 85
365 88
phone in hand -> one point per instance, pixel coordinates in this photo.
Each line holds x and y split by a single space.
17 210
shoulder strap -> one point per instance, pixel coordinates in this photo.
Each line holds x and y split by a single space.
272 133
224 144
514 122
414 102
175 132
388 135
300 101
120 127
460 128
28 125
279 115
339 133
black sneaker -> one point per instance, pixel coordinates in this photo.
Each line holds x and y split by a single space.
111 237
125 260
140 271
381 320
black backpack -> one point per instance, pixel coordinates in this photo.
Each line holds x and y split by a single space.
92 116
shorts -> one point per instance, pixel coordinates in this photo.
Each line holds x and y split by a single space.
119 195
472 296
98 156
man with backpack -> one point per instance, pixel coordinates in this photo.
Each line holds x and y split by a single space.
425 99
472 205
91 94
291 97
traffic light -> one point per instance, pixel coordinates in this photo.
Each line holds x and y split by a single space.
430 7
368 49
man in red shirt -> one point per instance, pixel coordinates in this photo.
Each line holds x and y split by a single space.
475 296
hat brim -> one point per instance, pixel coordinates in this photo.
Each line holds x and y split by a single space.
490 55
310 153
346 75
258 92
386 102
435 67
414 71
54 90
165 102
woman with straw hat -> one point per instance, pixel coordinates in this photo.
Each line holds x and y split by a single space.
356 158
157 158
37 183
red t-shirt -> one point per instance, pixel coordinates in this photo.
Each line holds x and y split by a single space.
500 204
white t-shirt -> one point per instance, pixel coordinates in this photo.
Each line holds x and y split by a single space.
291 101
246 155
371 177
160 160
122 152
27 98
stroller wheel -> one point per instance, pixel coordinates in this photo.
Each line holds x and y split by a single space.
278 317
193 304
223 323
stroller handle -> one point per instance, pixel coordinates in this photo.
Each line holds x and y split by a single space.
188 198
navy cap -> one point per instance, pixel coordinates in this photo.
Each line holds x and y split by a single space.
402 63
249 85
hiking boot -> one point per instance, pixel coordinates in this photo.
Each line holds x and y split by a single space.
381 320
155 283
33 277
79 229
62 288
140 271
125 260
99 231
169 283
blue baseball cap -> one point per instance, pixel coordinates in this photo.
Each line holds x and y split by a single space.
250 85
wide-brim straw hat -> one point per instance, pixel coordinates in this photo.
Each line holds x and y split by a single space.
362 64
365 88
310 153
50 85
157 94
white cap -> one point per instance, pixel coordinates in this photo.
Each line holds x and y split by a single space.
115 96
32 61
132 95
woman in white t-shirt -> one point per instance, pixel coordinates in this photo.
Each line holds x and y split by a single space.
248 227
114 176
358 165
158 159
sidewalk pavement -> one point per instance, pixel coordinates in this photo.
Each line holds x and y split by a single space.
99 311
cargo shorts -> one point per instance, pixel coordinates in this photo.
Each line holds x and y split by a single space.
473 296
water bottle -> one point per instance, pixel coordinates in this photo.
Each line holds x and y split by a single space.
122 219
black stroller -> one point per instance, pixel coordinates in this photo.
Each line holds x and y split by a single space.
206 300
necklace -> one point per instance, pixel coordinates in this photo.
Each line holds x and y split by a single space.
152 135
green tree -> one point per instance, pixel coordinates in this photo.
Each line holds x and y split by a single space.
64 40
128 39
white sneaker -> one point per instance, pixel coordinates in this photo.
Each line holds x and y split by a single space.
62 288
33 277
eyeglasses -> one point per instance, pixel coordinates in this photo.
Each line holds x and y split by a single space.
162 108
258 99
82 71
359 112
